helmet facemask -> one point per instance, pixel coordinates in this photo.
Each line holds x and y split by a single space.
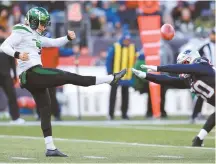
37 16
187 57
44 18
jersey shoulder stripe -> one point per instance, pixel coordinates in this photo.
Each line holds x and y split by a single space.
21 28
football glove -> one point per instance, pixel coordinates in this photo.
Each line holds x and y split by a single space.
138 73
150 68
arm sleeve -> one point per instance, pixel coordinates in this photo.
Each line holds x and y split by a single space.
199 69
58 42
8 45
167 80
109 60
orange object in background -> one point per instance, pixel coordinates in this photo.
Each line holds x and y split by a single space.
26 102
50 57
149 7
149 27
131 4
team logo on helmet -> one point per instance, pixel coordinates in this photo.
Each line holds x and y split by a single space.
37 16
187 56
187 52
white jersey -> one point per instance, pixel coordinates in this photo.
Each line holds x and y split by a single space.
24 39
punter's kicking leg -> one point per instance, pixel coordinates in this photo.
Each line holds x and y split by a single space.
38 79
208 126
47 77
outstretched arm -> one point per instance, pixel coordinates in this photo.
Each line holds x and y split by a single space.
167 80
200 69
162 79
58 42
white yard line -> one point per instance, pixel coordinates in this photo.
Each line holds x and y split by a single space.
157 128
169 156
95 157
107 142
22 158
161 128
110 123
107 125
121 125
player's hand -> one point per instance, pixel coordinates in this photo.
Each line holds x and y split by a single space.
24 56
71 35
15 80
150 68
138 73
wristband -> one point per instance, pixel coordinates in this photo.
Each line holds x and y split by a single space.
16 54
68 37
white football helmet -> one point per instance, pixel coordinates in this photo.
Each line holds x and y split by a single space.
188 56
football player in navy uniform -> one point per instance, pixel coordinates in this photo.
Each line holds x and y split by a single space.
195 73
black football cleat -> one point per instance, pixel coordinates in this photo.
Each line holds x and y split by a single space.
125 118
197 142
118 76
55 153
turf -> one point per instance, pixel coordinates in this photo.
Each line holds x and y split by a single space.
90 118
96 144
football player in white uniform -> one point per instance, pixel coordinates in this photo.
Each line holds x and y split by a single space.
25 43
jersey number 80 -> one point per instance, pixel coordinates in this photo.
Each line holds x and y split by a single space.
205 90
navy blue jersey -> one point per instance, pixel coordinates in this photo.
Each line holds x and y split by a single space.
199 77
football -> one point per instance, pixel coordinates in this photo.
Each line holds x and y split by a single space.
167 32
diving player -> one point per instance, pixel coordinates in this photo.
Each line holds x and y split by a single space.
195 73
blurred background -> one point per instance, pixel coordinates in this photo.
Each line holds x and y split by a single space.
98 26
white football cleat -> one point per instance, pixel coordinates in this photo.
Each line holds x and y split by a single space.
18 121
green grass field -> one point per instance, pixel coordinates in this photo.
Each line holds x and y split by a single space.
102 142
